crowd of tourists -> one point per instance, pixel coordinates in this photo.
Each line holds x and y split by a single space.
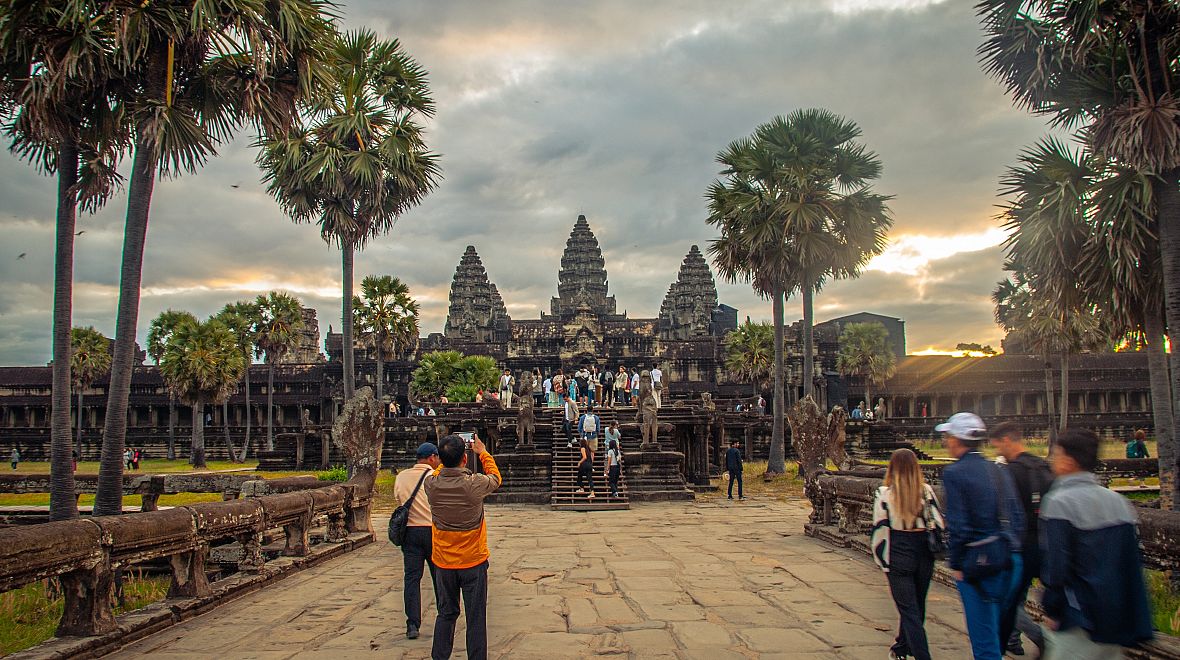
1001 526
591 386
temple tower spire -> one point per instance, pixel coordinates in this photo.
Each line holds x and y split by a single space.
476 311
687 310
581 282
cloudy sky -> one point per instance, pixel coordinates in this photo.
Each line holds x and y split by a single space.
610 109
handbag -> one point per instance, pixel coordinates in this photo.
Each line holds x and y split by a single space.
989 556
400 519
935 536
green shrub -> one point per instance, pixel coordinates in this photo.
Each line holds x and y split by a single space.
337 473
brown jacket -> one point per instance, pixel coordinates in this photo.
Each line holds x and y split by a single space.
456 507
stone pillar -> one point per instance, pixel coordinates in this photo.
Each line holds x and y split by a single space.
1020 403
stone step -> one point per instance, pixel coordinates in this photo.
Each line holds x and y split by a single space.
594 506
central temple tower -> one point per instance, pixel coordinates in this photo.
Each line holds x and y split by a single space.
581 282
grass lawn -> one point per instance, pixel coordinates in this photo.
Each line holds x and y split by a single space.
28 617
755 484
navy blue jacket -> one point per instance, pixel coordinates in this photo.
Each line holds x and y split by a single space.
1090 563
971 514
733 460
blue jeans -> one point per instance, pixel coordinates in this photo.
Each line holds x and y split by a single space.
984 603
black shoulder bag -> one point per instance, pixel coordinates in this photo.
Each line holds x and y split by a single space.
990 555
935 535
401 516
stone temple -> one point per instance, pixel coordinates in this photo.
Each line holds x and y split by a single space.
584 326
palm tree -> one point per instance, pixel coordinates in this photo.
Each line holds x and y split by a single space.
90 357
359 161
795 209
387 320
241 318
280 319
1110 69
159 334
55 100
749 354
191 74
201 364
864 351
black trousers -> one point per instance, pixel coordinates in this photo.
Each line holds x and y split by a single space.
568 427
416 552
586 473
910 568
735 476
472 583
612 477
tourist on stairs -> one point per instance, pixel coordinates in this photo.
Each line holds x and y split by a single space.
904 511
612 433
460 552
589 425
418 546
614 462
569 419
585 469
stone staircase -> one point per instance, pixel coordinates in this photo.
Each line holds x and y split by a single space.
565 469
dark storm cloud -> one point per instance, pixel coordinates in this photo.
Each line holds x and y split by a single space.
547 110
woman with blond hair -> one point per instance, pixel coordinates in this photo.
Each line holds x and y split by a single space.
904 512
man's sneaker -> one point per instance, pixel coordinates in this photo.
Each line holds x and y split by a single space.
411 631
580 491
569 445
591 495
1015 647
894 656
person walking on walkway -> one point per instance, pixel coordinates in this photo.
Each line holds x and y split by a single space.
614 463
460 552
733 465
418 546
1095 601
585 468
1032 477
1136 447
14 458
506 384
904 511
657 383
569 419
985 524
589 426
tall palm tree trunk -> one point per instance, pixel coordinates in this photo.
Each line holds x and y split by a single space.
270 406
381 380
1167 191
1050 398
78 440
1064 391
199 434
1161 409
776 461
229 443
808 339
246 441
63 504
109 499
346 258
171 427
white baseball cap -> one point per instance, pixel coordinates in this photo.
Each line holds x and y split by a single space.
965 425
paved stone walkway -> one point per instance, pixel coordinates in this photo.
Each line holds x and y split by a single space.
713 580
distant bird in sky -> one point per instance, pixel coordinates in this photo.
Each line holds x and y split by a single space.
80 233
21 255
235 185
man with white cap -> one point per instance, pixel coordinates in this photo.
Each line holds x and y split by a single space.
985 523
419 543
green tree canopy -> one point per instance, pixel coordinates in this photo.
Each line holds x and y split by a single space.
386 320
454 375
749 354
865 352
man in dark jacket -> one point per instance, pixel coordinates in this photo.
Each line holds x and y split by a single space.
1095 601
1032 477
733 465
981 511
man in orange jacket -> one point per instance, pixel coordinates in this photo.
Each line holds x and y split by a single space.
460 551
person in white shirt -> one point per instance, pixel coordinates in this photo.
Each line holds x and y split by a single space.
570 420
657 383
635 386
419 544
547 386
506 389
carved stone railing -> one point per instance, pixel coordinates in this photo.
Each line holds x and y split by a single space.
85 553
148 486
843 517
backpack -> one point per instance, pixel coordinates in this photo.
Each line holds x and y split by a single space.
400 519
1132 450
590 424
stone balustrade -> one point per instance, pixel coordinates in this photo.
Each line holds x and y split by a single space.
85 553
148 486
